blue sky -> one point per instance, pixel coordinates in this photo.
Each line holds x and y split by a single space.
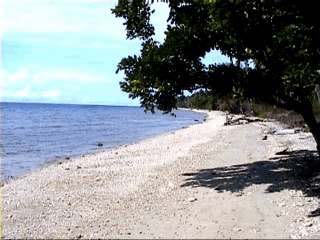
66 51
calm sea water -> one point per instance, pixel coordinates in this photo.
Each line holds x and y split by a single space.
34 134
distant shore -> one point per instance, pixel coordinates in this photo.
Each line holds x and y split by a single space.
204 181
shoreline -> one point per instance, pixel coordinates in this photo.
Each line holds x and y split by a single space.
67 157
163 187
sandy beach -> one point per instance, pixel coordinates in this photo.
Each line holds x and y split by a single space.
204 181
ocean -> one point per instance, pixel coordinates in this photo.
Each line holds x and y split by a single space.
35 134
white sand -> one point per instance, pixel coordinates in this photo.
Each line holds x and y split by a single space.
184 184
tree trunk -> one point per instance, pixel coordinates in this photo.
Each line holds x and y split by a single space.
309 118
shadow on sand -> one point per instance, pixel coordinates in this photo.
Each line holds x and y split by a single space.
295 170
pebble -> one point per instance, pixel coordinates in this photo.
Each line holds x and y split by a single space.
298 205
309 224
236 229
192 199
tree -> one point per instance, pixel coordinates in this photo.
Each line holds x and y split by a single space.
274 46
199 100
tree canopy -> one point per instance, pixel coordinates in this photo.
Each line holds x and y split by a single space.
274 46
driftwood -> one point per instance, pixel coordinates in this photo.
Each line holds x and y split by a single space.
287 131
239 120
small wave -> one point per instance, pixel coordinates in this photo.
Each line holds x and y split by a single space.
21 152
19 128
55 126
10 153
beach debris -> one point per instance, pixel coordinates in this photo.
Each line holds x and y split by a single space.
237 229
265 137
240 120
239 194
79 167
283 152
309 224
99 144
79 236
286 131
192 199
67 158
67 169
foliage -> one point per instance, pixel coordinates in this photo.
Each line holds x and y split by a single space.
280 38
198 100
204 100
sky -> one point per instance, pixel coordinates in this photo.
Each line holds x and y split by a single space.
66 51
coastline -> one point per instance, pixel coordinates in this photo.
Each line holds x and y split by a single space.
103 150
90 153
156 188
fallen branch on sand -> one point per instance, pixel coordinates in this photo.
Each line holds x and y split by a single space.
239 120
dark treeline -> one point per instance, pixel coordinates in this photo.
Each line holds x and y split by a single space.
198 100
205 100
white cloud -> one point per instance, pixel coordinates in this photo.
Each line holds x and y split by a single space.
70 16
24 92
47 84
20 75
6 78
51 93
1 23
75 24
67 75
2 78
27 92
45 76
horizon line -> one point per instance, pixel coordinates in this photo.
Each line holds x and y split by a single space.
61 103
